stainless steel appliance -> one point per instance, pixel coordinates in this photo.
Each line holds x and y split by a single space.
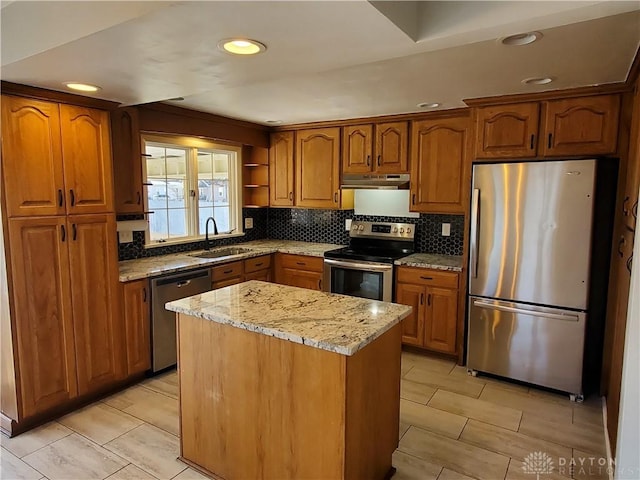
365 267
529 262
163 322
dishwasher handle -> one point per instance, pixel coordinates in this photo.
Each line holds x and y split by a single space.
183 283
182 280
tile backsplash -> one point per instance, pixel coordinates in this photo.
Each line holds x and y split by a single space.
312 225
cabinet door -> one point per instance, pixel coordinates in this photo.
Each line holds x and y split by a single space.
86 152
137 324
413 325
43 322
441 319
263 275
391 147
98 326
440 151
632 182
32 157
507 131
357 142
225 283
581 126
318 168
301 278
281 169
127 160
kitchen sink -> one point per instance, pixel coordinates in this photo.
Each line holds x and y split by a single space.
223 252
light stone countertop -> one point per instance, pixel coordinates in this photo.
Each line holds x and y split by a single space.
175 262
452 263
336 323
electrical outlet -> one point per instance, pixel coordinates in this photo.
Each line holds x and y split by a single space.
446 229
347 224
248 222
125 236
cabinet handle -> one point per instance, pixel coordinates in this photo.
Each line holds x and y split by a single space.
379 159
319 284
549 140
64 232
291 196
60 197
368 160
620 244
139 197
533 137
335 197
429 299
634 210
426 278
73 197
422 299
259 264
301 263
629 262
413 199
227 271
75 231
625 210
144 294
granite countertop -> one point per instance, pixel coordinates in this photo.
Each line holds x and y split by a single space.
452 263
175 262
336 323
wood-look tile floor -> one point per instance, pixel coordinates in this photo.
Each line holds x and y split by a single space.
452 427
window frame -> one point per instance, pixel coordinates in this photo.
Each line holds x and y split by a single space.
192 144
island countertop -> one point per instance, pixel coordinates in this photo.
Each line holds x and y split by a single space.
337 323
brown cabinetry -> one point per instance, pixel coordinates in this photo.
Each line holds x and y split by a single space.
380 148
281 169
552 128
299 271
255 177
434 297
127 161
439 159
137 324
255 268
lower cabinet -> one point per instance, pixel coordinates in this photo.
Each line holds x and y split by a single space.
433 294
255 268
137 325
299 271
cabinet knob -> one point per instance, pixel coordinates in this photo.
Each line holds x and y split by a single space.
429 299
73 197
64 232
549 140
533 137
291 196
60 197
335 197
74 228
422 299
368 160
379 159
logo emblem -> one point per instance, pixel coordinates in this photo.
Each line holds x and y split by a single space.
537 463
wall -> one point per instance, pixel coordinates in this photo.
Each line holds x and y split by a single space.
628 458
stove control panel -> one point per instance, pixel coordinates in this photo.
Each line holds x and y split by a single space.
391 231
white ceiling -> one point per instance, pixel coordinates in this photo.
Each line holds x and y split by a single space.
324 60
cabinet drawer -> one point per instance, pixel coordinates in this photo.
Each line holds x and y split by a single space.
225 283
228 270
424 276
257 263
303 262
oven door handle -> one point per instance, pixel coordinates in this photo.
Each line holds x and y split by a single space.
368 267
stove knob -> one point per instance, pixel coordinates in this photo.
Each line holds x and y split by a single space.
395 229
402 230
408 230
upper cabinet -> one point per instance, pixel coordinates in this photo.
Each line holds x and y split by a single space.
127 161
57 158
318 168
281 169
380 148
439 159
255 176
553 128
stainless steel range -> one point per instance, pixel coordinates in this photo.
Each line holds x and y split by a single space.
365 267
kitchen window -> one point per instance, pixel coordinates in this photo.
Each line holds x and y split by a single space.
187 181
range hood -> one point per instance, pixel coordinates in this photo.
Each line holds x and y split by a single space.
375 181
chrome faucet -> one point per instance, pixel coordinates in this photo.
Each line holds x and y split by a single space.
206 232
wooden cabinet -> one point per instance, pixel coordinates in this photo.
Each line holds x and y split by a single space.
507 131
127 161
439 161
43 322
433 295
32 157
258 268
281 169
98 326
227 274
137 325
57 158
318 168
380 148
299 271
255 177
553 128
632 175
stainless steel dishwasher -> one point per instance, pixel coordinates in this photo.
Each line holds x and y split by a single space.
163 323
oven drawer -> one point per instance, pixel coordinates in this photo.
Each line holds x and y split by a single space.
425 276
302 262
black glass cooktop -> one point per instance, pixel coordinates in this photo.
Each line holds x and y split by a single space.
379 255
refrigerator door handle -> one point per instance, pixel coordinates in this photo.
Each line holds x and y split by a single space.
475 211
533 313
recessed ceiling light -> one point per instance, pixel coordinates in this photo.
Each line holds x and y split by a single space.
429 105
82 87
241 46
521 38
274 122
537 80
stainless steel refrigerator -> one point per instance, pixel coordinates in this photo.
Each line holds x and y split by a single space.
529 269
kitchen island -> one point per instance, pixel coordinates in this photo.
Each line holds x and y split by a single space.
282 382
